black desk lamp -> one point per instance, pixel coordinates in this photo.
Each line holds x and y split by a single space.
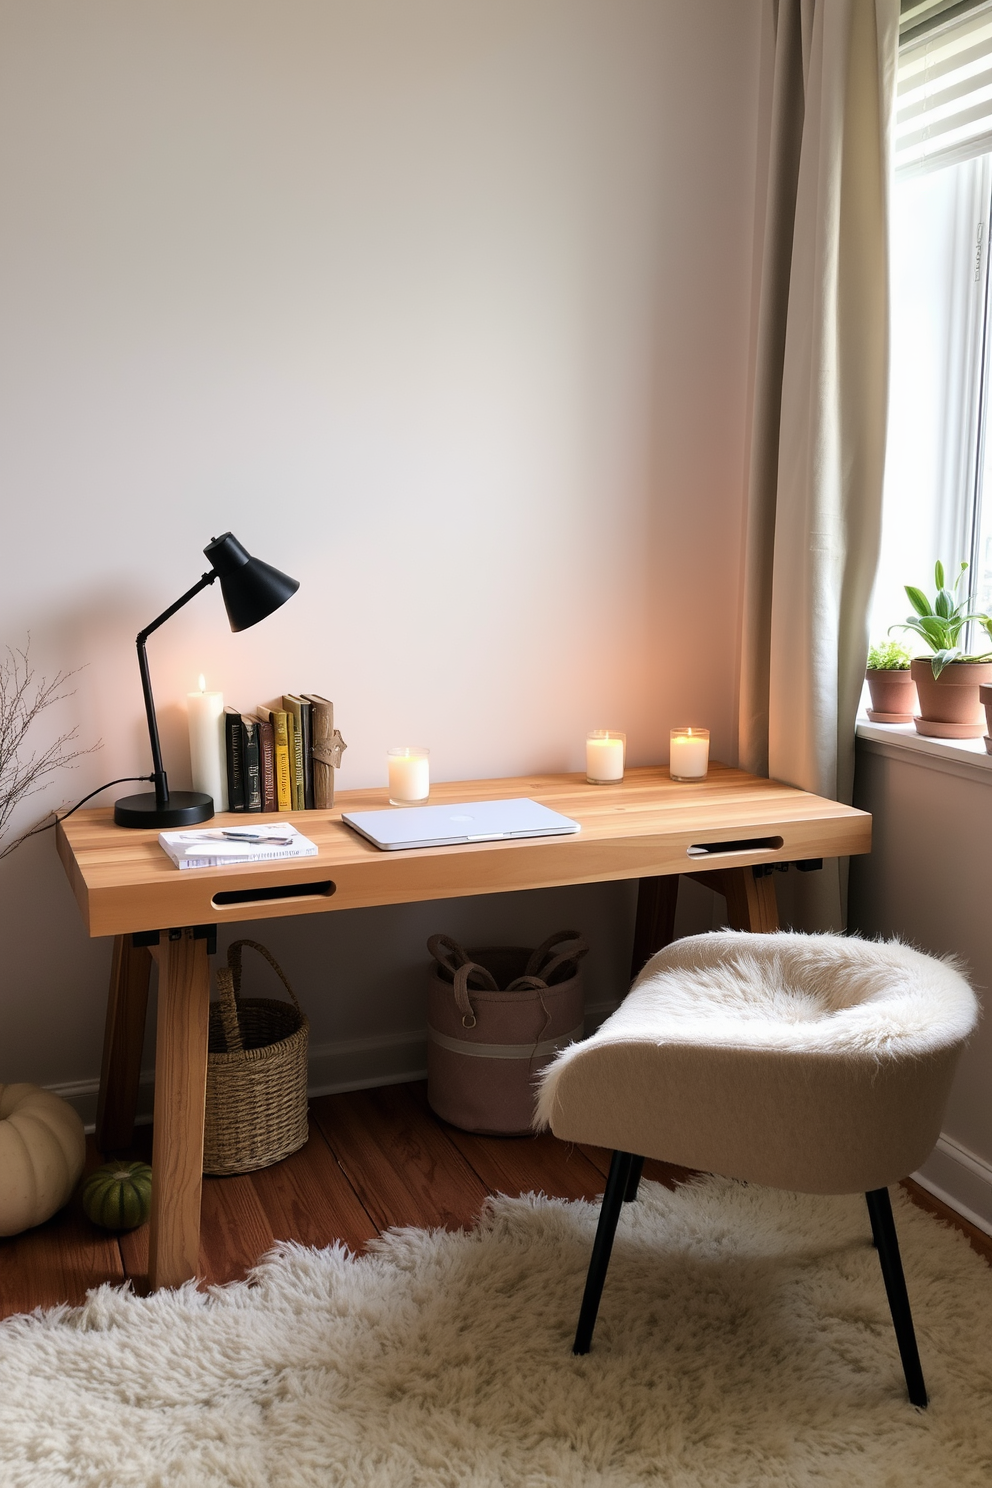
251 589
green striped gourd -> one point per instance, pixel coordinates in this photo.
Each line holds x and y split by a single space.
118 1196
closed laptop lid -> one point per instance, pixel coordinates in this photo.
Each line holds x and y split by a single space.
470 821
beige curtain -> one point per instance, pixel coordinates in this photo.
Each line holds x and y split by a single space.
818 430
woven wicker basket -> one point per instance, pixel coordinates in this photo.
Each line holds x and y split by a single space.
256 1074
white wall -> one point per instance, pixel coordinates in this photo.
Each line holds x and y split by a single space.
928 879
443 308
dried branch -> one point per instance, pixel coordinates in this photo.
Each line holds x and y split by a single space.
23 696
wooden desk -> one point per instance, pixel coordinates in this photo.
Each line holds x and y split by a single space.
648 828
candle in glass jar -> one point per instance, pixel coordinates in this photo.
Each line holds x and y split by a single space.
690 754
604 756
409 775
207 753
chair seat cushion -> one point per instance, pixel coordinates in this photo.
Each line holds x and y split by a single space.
824 993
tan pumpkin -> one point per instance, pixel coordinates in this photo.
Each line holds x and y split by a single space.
42 1149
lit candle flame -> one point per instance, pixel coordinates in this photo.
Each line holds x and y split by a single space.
203 683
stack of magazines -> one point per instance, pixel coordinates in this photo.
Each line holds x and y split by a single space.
219 847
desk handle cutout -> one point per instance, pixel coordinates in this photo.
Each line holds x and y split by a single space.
320 890
744 845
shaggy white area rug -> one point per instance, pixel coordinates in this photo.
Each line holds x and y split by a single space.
744 1338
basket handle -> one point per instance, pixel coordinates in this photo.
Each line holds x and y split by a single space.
228 1003
234 970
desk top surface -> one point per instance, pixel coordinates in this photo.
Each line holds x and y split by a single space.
644 826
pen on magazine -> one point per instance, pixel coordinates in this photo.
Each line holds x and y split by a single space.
235 836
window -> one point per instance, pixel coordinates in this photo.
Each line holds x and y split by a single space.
939 460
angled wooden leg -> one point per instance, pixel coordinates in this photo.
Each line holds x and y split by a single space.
654 927
609 1215
883 1230
751 903
180 1097
127 1005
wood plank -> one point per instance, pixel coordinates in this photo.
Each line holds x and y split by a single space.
640 828
235 1230
127 1005
978 1239
538 1164
402 1165
60 1260
307 1198
180 1098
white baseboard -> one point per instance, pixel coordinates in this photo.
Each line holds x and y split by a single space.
961 1179
349 1064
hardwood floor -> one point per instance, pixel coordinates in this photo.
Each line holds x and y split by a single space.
375 1158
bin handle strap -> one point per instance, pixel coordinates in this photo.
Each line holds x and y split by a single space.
539 965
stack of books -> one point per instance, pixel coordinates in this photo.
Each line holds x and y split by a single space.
283 756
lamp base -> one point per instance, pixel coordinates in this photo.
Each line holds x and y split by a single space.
185 809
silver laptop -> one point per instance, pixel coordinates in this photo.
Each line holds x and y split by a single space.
446 826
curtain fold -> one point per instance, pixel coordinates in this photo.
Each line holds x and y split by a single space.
819 411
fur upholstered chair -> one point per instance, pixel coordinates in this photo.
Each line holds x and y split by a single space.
817 1063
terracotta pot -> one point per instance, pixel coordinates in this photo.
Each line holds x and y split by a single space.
950 707
985 697
893 695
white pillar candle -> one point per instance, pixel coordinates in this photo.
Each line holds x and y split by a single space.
690 754
604 756
409 776
207 751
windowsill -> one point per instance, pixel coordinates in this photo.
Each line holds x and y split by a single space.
967 757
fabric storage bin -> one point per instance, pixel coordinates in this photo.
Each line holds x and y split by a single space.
496 1015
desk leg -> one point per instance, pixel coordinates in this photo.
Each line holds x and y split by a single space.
127 1004
751 903
180 1097
654 926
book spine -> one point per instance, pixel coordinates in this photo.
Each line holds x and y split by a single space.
253 776
306 719
267 765
234 739
280 729
291 746
300 779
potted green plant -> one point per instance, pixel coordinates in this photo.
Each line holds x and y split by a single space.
893 691
947 682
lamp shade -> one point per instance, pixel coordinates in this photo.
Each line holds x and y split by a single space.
251 589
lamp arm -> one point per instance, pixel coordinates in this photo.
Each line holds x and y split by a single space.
158 769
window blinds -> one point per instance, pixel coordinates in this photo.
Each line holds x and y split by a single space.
944 88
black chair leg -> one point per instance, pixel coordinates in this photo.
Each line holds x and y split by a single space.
884 1234
616 1189
633 1179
